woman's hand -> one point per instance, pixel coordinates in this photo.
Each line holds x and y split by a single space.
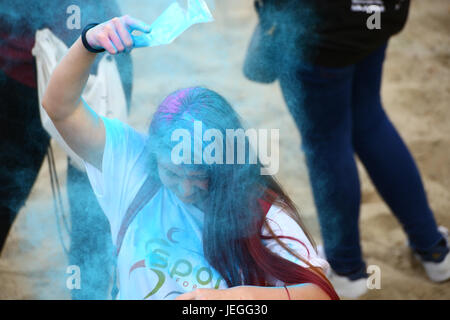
116 36
234 293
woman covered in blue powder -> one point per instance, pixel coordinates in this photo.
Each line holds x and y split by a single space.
186 231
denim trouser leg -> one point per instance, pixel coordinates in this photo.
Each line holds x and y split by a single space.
387 159
338 112
23 146
91 246
320 101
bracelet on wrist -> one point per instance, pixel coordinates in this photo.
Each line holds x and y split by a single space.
85 42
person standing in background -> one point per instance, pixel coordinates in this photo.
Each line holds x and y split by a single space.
24 141
328 58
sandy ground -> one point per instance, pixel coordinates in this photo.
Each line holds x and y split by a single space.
416 96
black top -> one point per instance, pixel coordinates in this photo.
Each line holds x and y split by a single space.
333 33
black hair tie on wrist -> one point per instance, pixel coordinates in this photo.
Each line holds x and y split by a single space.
85 43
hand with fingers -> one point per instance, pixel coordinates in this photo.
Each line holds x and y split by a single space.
116 35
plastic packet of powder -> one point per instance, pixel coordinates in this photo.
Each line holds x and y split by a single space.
175 20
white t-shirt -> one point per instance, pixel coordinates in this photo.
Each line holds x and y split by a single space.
161 254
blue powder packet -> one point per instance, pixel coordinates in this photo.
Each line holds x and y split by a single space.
174 21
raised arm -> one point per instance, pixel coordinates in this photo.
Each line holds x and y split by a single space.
79 125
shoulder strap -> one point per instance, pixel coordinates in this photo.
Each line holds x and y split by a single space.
145 193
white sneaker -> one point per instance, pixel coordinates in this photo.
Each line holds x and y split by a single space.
345 288
438 271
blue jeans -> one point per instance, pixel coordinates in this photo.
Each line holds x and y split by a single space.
23 146
339 113
91 247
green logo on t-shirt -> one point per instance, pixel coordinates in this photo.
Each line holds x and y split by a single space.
162 257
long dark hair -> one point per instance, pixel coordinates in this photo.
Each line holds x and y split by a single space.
238 198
